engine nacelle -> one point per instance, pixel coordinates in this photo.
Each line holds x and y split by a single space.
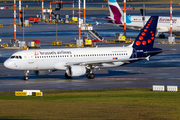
75 70
43 72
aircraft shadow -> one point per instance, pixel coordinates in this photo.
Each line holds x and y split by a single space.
110 73
114 73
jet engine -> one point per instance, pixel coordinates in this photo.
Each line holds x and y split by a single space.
42 72
75 70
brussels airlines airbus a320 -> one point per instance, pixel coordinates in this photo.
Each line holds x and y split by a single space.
81 61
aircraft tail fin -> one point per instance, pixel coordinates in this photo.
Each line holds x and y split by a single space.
115 11
146 37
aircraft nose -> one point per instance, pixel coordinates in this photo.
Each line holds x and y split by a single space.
7 64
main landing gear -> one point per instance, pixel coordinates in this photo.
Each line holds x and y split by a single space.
90 74
26 74
67 76
162 36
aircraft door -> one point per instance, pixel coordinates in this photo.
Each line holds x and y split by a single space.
31 60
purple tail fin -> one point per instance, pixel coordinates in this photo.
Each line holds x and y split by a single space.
115 12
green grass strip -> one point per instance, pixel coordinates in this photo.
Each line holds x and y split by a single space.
126 103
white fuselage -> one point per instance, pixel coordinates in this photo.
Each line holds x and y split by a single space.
136 23
57 59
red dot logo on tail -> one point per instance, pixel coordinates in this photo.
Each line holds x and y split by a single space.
138 43
144 42
149 41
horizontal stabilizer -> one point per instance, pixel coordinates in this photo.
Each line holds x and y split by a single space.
158 51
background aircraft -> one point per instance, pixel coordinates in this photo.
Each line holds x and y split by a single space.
136 22
81 61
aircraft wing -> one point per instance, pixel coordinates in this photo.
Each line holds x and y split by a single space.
101 19
114 24
99 63
133 26
99 23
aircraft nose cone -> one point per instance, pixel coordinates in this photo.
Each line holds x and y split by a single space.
7 64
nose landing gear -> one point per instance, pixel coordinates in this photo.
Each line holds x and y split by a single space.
26 74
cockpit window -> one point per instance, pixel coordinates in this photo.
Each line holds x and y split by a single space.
15 57
12 57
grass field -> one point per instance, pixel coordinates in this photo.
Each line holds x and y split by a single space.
127 103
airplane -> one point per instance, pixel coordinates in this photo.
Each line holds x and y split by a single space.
136 22
81 61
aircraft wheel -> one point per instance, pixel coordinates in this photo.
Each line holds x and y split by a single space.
162 36
67 77
91 76
25 77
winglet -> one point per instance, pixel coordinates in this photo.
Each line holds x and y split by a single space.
147 58
97 23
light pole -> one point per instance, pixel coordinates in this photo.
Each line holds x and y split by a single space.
125 18
14 19
23 23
